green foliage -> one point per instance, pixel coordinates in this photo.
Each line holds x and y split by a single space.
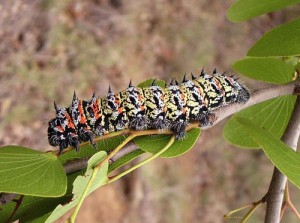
242 10
282 156
283 40
270 70
30 172
153 144
148 83
272 115
81 183
40 219
33 207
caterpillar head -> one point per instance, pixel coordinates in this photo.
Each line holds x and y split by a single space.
55 132
61 130
60 136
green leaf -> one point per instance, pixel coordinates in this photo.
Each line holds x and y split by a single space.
154 143
125 159
36 209
30 172
282 156
33 208
272 115
242 10
266 69
80 184
40 219
148 83
283 40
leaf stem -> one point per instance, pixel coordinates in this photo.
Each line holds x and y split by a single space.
85 192
114 178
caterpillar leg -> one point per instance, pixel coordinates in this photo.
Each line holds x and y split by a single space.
86 135
179 129
71 139
158 123
206 119
62 145
74 142
138 123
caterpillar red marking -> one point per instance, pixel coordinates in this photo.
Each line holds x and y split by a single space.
153 107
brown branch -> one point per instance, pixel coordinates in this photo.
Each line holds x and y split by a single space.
75 165
130 147
277 186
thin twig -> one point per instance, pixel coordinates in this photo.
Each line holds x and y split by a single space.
252 207
18 203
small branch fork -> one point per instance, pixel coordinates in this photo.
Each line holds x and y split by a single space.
252 207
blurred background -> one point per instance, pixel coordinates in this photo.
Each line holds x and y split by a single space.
48 48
